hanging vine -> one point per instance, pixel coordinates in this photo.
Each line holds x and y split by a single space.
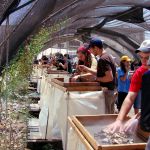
20 67
14 83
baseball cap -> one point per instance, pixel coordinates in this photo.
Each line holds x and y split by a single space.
144 47
96 42
125 58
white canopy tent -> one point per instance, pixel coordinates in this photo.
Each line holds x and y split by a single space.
50 51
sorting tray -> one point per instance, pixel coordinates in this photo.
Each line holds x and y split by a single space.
56 72
79 134
75 86
91 126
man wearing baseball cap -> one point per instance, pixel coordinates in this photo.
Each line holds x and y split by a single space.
105 73
136 84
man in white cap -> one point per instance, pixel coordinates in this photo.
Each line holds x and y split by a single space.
136 83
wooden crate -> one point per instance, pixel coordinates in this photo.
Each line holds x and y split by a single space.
56 72
143 134
75 86
91 125
78 133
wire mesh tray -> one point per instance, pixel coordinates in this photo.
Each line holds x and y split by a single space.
91 126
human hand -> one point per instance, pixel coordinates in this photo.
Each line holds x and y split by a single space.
82 68
75 78
117 126
60 64
75 74
131 125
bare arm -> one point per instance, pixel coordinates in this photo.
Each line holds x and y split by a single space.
86 75
90 70
107 78
123 78
64 66
127 104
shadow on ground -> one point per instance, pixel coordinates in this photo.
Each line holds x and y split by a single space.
45 146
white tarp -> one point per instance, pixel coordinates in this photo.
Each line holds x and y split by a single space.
63 104
44 114
36 75
45 87
41 72
46 99
74 142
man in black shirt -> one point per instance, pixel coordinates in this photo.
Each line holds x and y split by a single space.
105 73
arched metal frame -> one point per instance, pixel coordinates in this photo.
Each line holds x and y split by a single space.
108 18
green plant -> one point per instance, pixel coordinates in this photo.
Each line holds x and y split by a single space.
13 89
14 84
15 77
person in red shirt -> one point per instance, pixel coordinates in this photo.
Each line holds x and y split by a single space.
135 85
136 80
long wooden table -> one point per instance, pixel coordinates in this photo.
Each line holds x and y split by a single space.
75 86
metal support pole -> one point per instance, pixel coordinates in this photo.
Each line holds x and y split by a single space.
67 114
7 65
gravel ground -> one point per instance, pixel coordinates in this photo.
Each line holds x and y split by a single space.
13 127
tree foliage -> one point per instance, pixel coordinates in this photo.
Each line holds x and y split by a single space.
15 77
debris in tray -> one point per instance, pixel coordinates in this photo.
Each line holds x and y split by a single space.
113 138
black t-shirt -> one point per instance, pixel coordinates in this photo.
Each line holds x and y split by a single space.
145 102
69 66
59 60
106 63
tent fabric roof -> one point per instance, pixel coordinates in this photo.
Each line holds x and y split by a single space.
125 22
4 4
23 26
112 19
